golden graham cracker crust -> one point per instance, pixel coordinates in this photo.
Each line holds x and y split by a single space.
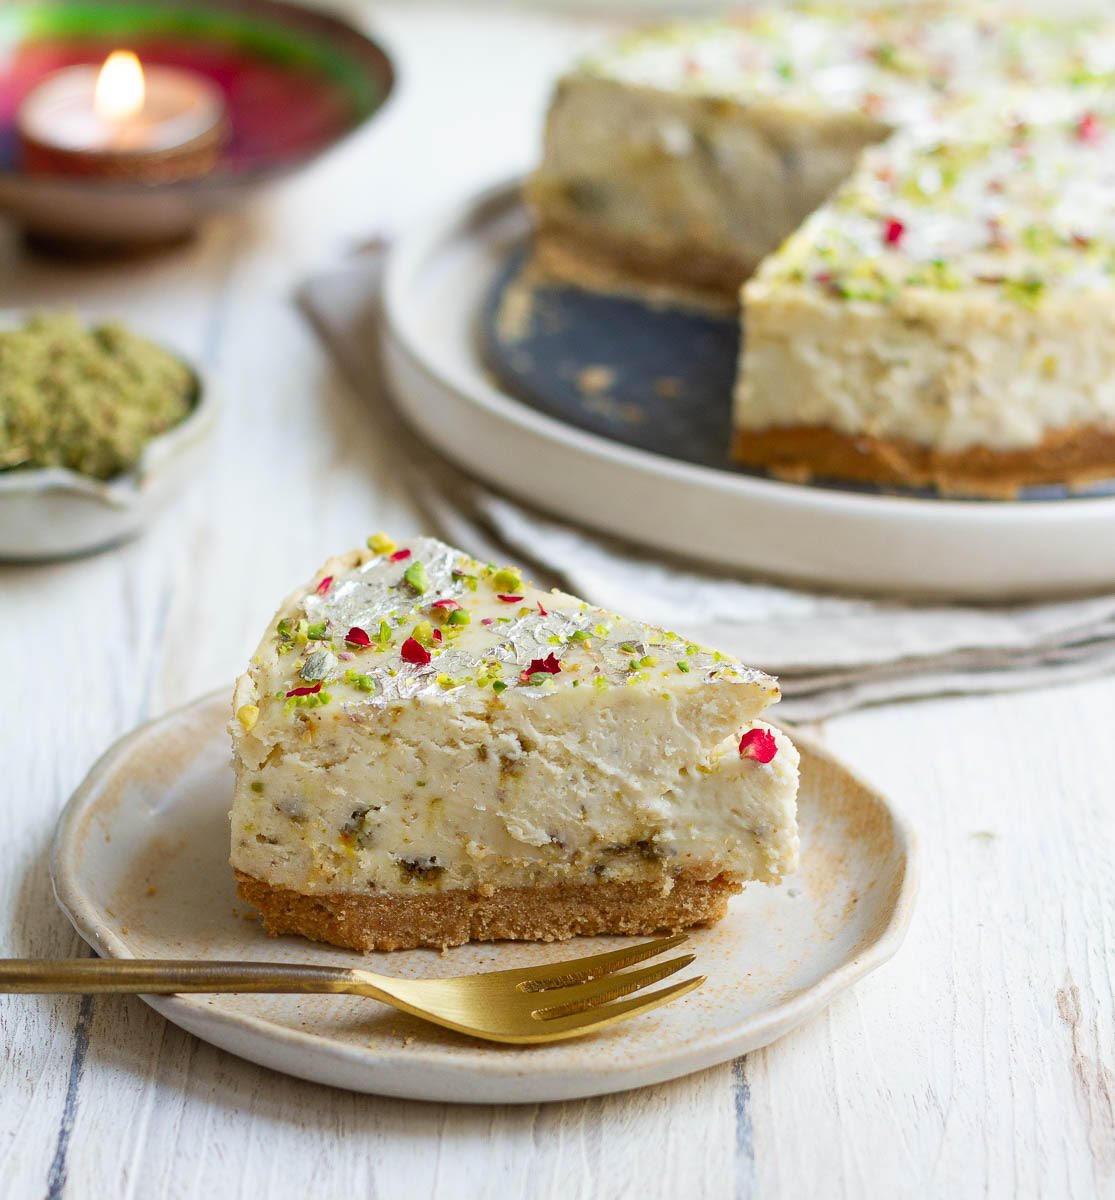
606 263
1073 456
547 914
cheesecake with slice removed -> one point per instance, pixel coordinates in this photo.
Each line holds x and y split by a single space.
429 750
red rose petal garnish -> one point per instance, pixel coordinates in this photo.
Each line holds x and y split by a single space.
893 232
325 585
414 652
437 635
1078 239
312 690
399 556
448 605
508 599
758 744
542 610
357 637
547 666
486 621
1089 129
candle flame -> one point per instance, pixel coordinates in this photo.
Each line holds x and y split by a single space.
120 90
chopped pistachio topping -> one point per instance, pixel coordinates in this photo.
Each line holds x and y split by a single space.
417 576
362 683
380 543
247 715
507 579
315 700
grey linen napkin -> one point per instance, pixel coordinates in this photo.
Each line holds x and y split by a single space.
832 653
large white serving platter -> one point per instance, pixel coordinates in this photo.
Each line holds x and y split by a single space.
436 282
140 865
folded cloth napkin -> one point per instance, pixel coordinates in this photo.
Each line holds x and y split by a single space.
832 653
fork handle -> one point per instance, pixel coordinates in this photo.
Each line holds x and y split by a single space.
165 976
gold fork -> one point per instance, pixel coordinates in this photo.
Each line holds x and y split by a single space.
530 1004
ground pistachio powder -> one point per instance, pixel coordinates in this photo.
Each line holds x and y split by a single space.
85 397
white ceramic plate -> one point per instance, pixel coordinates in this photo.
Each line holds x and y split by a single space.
436 282
140 864
56 513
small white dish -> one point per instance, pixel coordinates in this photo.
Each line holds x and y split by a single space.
54 513
140 865
436 283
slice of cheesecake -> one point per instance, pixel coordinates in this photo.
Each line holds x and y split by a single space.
429 750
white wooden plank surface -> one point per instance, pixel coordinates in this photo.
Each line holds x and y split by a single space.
980 1063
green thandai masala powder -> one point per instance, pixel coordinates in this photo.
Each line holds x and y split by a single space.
85 398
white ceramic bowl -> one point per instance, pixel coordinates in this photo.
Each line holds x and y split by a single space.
57 513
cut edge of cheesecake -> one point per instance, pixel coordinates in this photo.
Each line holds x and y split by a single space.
564 252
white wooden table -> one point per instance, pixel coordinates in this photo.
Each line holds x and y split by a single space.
980 1062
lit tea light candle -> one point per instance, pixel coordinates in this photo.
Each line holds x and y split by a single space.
122 121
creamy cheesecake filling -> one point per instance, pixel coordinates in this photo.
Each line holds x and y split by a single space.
405 821
418 723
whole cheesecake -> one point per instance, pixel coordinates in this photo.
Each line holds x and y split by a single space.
922 202
429 750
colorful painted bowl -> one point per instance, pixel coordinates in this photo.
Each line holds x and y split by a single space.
295 82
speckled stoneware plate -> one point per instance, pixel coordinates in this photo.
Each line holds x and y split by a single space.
616 414
54 512
140 864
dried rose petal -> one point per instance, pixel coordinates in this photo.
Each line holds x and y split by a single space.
325 585
486 621
893 232
312 690
542 610
437 635
399 556
547 666
414 652
447 605
357 637
508 599
1088 128
758 744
